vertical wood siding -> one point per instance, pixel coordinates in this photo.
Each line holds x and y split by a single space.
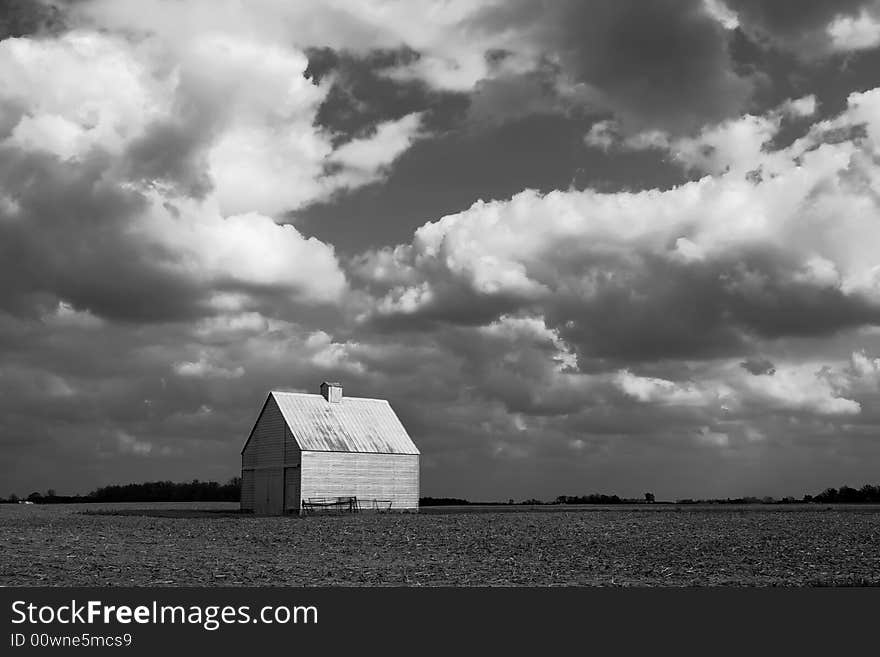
247 490
292 461
266 446
291 489
291 448
392 477
263 464
269 491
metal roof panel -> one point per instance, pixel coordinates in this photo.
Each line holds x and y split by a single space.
354 424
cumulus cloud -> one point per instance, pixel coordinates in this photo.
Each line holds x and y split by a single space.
79 91
849 33
759 366
723 394
663 391
808 28
153 155
602 134
66 316
179 154
715 148
804 387
766 245
130 444
670 66
552 58
706 436
361 160
204 368
722 13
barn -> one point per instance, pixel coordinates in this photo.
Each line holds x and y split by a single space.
308 447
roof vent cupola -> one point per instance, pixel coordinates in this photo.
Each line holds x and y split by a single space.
332 392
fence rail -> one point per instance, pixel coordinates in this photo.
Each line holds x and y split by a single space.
346 504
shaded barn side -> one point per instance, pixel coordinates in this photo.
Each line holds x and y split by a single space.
270 465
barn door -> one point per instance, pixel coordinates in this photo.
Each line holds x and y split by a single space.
275 493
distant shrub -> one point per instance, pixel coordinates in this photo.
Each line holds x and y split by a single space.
442 501
867 494
593 498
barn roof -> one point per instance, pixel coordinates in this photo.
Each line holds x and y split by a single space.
354 424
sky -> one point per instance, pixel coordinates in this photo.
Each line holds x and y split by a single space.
580 245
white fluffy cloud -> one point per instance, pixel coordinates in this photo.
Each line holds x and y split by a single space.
812 204
248 248
216 132
77 92
362 160
650 389
849 33
738 143
809 31
151 155
204 368
452 54
246 100
130 444
726 390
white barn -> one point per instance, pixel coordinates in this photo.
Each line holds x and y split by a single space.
307 446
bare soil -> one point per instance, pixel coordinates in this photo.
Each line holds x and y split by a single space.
213 544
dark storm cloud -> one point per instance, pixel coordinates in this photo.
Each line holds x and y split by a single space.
121 394
361 95
26 17
658 65
68 236
524 369
758 366
533 355
662 309
76 235
791 16
171 153
794 24
541 151
512 96
644 307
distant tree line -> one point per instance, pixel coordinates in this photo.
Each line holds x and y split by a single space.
846 495
211 491
167 491
593 498
867 494
149 491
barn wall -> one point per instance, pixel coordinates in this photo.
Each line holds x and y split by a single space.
247 489
268 491
392 477
291 448
266 462
266 446
292 470
292 489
